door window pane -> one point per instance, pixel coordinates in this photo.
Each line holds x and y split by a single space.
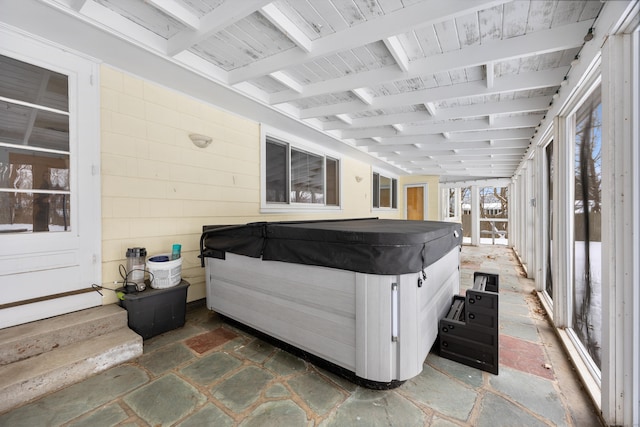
34 149
587 295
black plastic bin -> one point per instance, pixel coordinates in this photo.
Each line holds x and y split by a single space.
155 311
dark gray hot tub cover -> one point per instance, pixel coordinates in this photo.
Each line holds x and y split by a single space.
371 245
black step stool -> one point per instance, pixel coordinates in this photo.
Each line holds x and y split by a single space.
468 334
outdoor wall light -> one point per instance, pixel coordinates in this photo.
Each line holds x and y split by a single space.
358 178
200 141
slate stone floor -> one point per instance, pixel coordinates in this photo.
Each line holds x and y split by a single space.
209 373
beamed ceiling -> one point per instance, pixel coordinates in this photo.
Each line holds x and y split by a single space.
435 87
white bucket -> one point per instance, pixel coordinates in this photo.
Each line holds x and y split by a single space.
164 274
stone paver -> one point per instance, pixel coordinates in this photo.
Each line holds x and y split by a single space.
210 415
374 408
166 358
242 389
284 363
276 414
318 393
537 394
498 412
110 415
211 368
164 401
80 398
441 392
257 350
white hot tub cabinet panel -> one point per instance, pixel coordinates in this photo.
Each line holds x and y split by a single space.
350 319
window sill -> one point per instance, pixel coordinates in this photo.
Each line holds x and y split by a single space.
304 209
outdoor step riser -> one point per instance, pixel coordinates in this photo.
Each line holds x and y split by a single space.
28 379
25 341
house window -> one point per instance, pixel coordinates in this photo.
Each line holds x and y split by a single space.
385 192
587 262
297 176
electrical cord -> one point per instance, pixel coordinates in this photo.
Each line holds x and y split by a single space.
124 274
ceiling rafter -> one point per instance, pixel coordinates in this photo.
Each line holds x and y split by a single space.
284 24
523 105
221 17
518 47
177 11
528 121
391 24
520 82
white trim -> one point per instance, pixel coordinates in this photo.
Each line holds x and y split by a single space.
621 225
68 260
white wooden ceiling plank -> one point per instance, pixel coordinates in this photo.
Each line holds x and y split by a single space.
447 126
457 76
428 40
591 10
395 48
330 16
552 40
389 6
369 9
410 45
514 19
353 63
221 17
284 24
177 11
479 110
250 41
567 12
447 35
468 28
120 24
490 23
365 33
442 145
479 156
483 135
349 11
540 15
442 79
305 17
464 90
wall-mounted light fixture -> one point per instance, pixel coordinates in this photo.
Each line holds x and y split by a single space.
358 178
200 141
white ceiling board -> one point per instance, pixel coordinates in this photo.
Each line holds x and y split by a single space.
390 82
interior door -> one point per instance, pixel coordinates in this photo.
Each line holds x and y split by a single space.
415 202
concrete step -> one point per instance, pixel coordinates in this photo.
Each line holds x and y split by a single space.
36 376
28 340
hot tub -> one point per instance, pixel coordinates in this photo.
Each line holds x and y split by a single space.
364 295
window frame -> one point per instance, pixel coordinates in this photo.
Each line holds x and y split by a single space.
375 195
290 143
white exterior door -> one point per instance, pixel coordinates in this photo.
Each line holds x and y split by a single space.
49 181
